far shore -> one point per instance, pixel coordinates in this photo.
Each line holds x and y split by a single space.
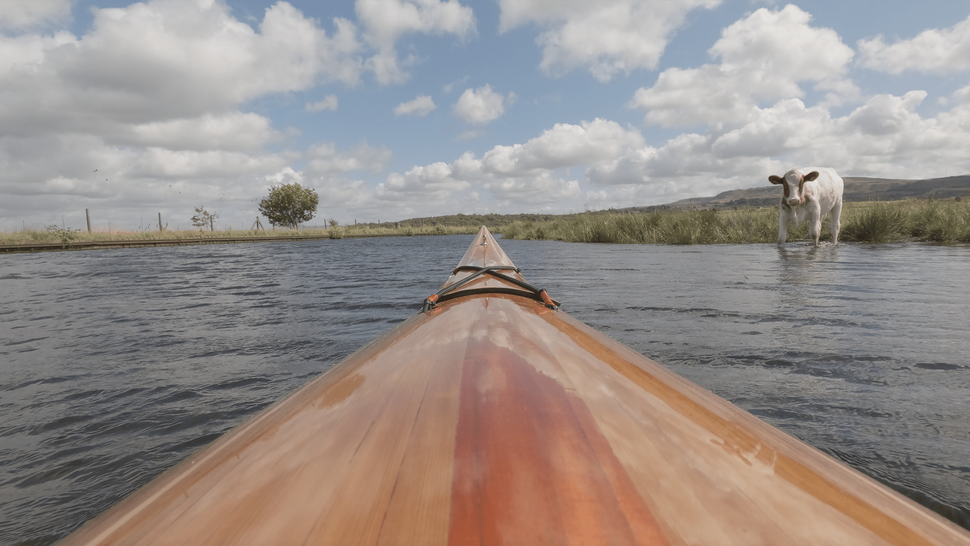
61 239
945 221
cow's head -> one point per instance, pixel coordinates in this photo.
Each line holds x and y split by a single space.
793 182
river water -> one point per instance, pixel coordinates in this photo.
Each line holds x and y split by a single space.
117 364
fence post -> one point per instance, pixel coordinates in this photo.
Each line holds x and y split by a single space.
159 221
87 215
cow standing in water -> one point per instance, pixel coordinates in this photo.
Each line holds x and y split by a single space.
810 194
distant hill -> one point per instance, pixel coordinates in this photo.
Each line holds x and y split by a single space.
857 188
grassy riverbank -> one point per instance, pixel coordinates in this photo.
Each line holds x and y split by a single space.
455 224
64 236
941 221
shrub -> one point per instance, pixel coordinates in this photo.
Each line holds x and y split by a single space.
66 235
289 205
204 219
877 223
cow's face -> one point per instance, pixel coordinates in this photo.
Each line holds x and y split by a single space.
794 183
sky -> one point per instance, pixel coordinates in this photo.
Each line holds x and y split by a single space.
394 109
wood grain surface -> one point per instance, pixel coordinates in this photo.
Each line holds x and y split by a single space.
493 419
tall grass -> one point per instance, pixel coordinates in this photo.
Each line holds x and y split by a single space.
876 223
943 221
65 236
663 227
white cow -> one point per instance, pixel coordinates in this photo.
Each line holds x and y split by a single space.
809 196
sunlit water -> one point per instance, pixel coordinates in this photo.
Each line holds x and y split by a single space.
116 364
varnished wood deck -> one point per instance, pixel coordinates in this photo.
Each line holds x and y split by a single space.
493 419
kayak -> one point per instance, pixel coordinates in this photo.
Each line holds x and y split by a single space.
493 417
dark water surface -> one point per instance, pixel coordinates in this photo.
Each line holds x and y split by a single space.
117 364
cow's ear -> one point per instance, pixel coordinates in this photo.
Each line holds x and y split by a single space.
774 179
811 176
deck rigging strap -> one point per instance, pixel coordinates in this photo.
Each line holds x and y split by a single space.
447 293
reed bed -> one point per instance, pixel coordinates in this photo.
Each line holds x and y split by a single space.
67 236
940 221
944 221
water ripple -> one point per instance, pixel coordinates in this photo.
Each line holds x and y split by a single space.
117 364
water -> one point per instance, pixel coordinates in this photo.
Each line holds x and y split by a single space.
116 364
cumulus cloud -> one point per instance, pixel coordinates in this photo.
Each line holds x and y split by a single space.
146 104
28 51
171 59
533 174
31 13
421 106
541 189
236 131
385 21
962 95
463 182
565 145
765 56
934 50
606 37
325 159
481 105
429 182
327 103
603 164
328 172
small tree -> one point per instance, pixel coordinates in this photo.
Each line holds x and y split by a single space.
289 205
204 219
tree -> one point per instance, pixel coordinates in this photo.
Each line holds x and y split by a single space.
289 205
204 219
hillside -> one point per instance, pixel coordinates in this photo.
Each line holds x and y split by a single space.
856 189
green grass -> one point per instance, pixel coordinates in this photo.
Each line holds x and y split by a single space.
63 236
941 221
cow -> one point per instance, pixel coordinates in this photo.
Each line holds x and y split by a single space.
810 197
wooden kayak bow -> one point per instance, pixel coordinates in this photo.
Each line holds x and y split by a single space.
491 417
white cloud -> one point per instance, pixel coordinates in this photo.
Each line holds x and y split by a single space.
325 159
21 14
327 103
962 95
385 21
449 87
564 145
335 192
763 56
480 105
165 164
429 182
26 53
170 59
884 136
521 175
285 175
543 188
885 114
606 37
341 193
941 51
232 131
421 106
144 108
